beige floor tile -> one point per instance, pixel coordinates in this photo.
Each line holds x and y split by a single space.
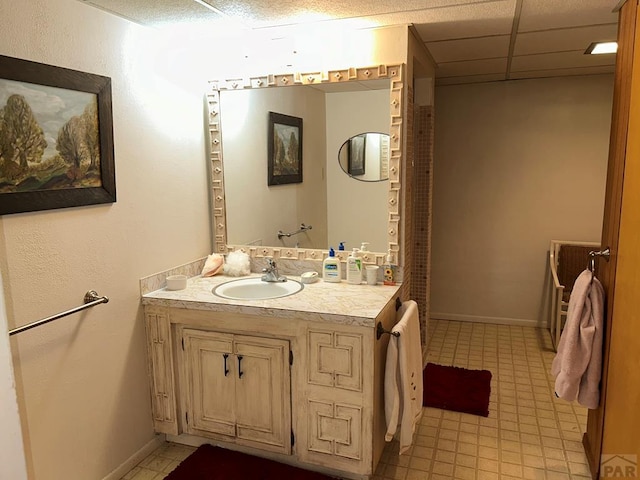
442 468
417 475
417 463
467 460
395 472
464 473
468 449
530 473
445 457
484 475
145 474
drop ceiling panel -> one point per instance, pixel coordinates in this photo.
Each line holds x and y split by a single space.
563 39
559 60
469 48
476 20
490 77
162 12
563 72
546 14
473 67
469 39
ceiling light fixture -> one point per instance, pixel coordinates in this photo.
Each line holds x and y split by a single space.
598 48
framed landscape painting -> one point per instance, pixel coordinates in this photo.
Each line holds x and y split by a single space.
56 137
284 162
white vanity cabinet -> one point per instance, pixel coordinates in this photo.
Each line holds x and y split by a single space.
300 387
237 388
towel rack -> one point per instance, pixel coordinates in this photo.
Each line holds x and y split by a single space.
91 298
606 253
380 329
303 228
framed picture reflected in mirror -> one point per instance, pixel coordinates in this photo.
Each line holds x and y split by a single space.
284 161
357 147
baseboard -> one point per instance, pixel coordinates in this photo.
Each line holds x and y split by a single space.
136 458
521 322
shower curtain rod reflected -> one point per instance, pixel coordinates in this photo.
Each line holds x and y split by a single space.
91 299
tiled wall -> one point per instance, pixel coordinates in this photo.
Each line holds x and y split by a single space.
407 196
422 214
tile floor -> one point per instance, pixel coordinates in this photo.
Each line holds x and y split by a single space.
529 434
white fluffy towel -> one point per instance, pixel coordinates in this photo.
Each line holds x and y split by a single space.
403 377
578 363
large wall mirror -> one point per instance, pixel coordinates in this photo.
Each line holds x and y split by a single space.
300 220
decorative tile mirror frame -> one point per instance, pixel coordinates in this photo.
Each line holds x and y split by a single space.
394 73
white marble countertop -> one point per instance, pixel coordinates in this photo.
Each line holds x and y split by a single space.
320 301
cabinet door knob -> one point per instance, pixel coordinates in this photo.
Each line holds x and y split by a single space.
240 372
226 370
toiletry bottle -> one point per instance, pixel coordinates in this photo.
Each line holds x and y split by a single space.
331 269
389 272
364 247
341 246
354 268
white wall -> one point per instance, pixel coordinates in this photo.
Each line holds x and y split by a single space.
362 205
517 164
82 381
12 461
256 211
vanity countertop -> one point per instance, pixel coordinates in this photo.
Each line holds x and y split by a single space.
341 303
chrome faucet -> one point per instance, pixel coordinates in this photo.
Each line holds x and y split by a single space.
271 272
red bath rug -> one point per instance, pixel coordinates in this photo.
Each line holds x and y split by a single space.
457 389
215 463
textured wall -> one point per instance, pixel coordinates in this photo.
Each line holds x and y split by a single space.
82 381
517 164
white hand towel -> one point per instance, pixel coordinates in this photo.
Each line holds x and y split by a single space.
403 377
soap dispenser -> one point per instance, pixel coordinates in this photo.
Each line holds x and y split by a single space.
331 268
389 277
354 268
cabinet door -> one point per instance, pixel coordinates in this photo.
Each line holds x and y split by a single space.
211 382
263 405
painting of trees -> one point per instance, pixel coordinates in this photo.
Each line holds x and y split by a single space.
48 145
22 139
284 149
56 137
92 135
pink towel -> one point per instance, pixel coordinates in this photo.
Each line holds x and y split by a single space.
578 364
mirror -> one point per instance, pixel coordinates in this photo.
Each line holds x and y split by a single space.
365 157
251 215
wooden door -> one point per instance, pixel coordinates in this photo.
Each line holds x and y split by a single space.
263 399
618 180
621 432
211 376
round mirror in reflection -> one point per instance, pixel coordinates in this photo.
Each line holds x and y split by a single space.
365 157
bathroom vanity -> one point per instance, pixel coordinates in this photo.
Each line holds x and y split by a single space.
298 379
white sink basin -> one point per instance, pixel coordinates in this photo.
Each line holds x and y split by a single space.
255 289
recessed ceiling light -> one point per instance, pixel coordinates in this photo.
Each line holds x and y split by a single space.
597 48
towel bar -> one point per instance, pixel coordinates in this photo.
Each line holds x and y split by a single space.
91 298
303 228
381 331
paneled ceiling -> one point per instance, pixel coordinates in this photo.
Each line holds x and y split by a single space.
470 40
